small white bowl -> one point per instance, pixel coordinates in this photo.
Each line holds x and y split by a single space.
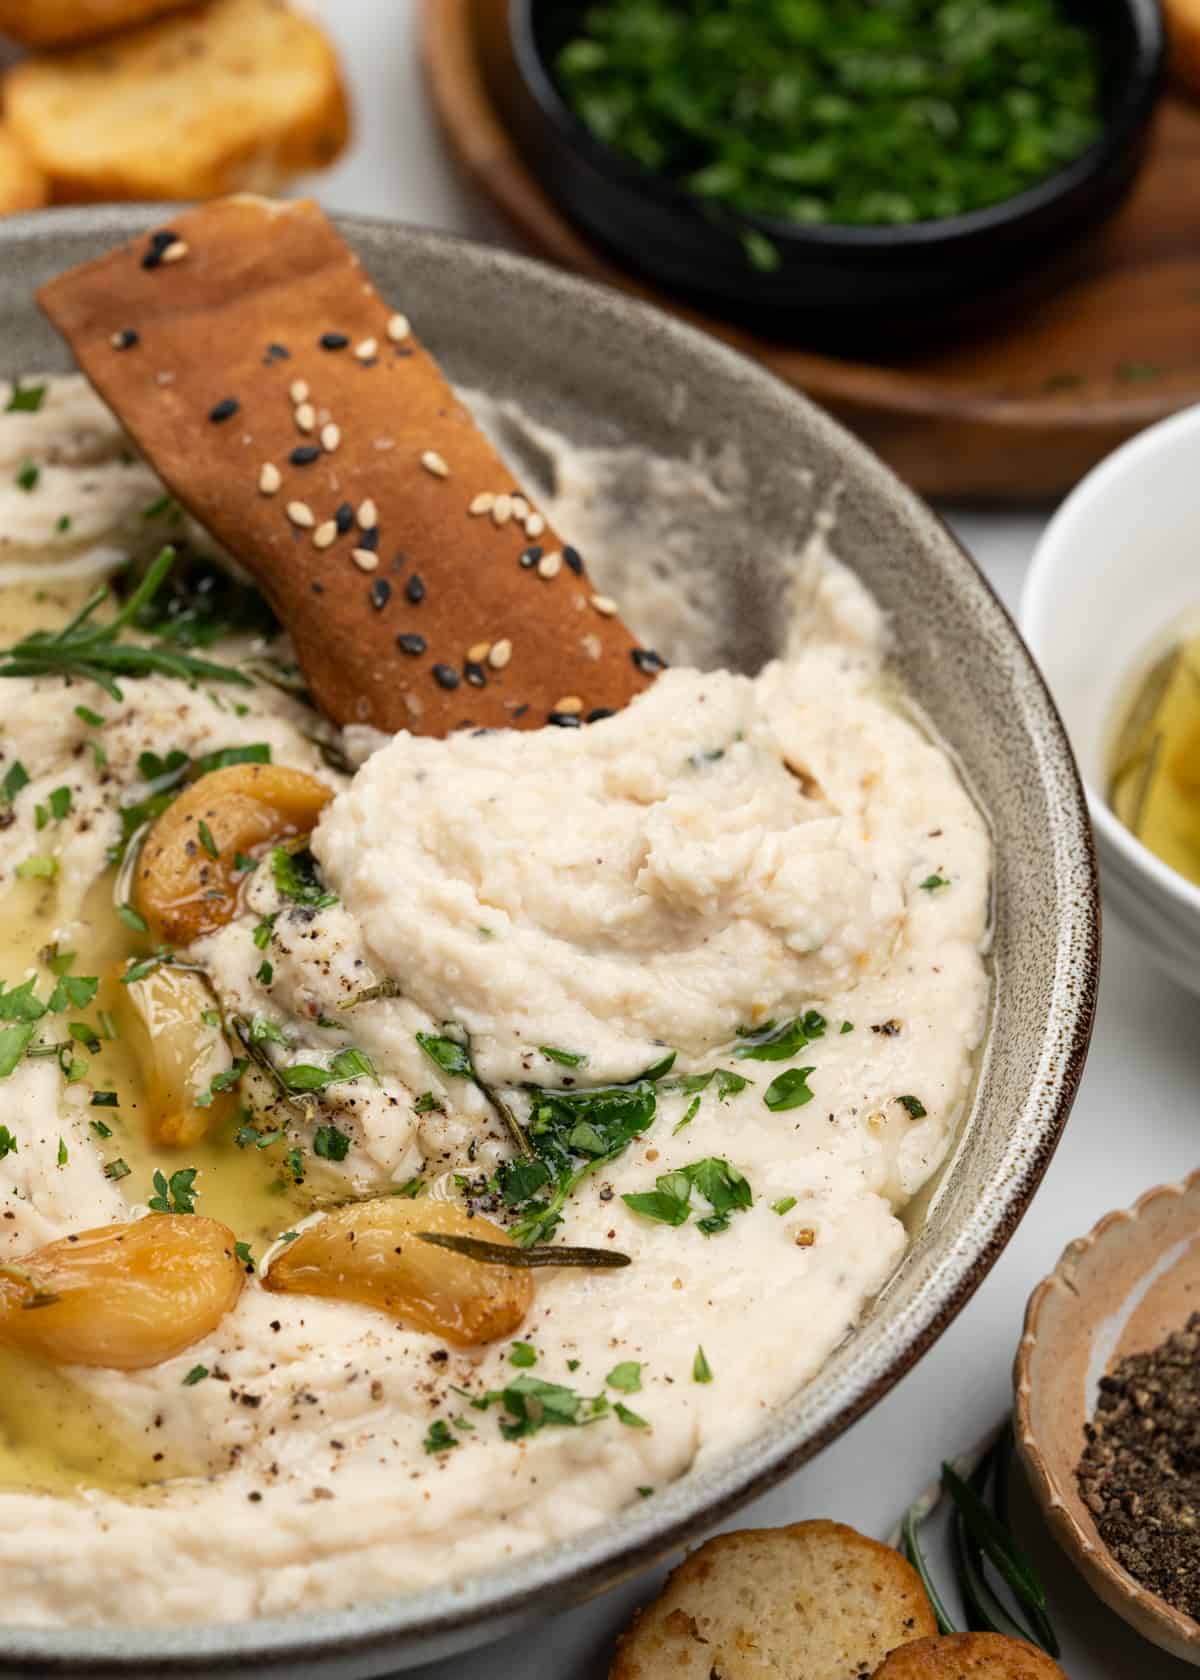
1118 566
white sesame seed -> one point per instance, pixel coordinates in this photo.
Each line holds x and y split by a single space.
433 463
269 478
306 417
534 525
502 510
301 514
397 328
364 559
367 349
520 508
478 653
175 252
605 605
298 391
549 565
570 703
331 436
368 515
501 654
483 503
325 534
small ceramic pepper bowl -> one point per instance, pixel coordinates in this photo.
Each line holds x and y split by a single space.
1122 1289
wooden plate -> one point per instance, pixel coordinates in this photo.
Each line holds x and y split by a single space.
1015 414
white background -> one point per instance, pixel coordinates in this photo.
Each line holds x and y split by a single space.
1134 1124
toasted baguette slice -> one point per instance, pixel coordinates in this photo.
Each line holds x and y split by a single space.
1183 27
61 23
234 94
22 184
969 1656
816 1601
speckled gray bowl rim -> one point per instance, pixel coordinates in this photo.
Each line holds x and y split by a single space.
374 1636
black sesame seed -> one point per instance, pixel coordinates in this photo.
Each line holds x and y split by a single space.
165 236
647 661
530 557
304 455
519 711
598 712
446 676
475 674
381 594
333 341
126 339
152 259
224 410
414 589
278 352
563 720
574 560
344 518
369 539
318 588
410 642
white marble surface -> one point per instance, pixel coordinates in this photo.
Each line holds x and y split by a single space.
1135 1123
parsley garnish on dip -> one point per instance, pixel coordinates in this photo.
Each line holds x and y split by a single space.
500 1079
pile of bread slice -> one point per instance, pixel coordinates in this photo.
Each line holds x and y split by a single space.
813 1601
163 100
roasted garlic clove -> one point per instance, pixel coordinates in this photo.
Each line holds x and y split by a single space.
371 1253
178 1051
187 877
124 1296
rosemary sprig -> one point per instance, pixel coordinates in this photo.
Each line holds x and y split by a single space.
95 652
980 1535
499 1254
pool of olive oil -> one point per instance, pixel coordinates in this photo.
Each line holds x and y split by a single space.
1154 761
55 1436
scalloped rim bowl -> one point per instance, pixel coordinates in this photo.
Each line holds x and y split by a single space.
600 367
1121 1289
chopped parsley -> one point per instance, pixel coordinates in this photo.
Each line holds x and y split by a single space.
532 1404
206 839
427 1103
522 1354
785 1204
63 522
28 475
701 1369
627 1376
25 399
60 803
690 1113
723 1187
85 714
330 1143
14 1041
564 1058
847 1027
196 1375
223 1081
37 868
914 1106
263 931
85 1035
770 1043
728 1083
116 1169
931 883
73 991
242 1252
346 1064
16 777
266 973
174 1195
789 1090
133 918
452 1056
296 877
8 1143
439 1438
631 1420
410 1189
100 1129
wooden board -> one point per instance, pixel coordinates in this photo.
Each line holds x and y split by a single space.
1016 414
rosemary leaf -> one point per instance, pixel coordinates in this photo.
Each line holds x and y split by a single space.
995 1540
500 1254
916 1557
985 1613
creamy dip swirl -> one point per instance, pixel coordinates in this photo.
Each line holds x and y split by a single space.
728 856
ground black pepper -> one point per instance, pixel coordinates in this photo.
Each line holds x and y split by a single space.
1140 1471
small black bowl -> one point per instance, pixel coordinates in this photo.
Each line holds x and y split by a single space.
873 282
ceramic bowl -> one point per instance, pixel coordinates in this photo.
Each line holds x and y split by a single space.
602 368
831 279
1115 569
1121 1289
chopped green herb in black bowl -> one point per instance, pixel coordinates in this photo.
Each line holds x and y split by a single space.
869 164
